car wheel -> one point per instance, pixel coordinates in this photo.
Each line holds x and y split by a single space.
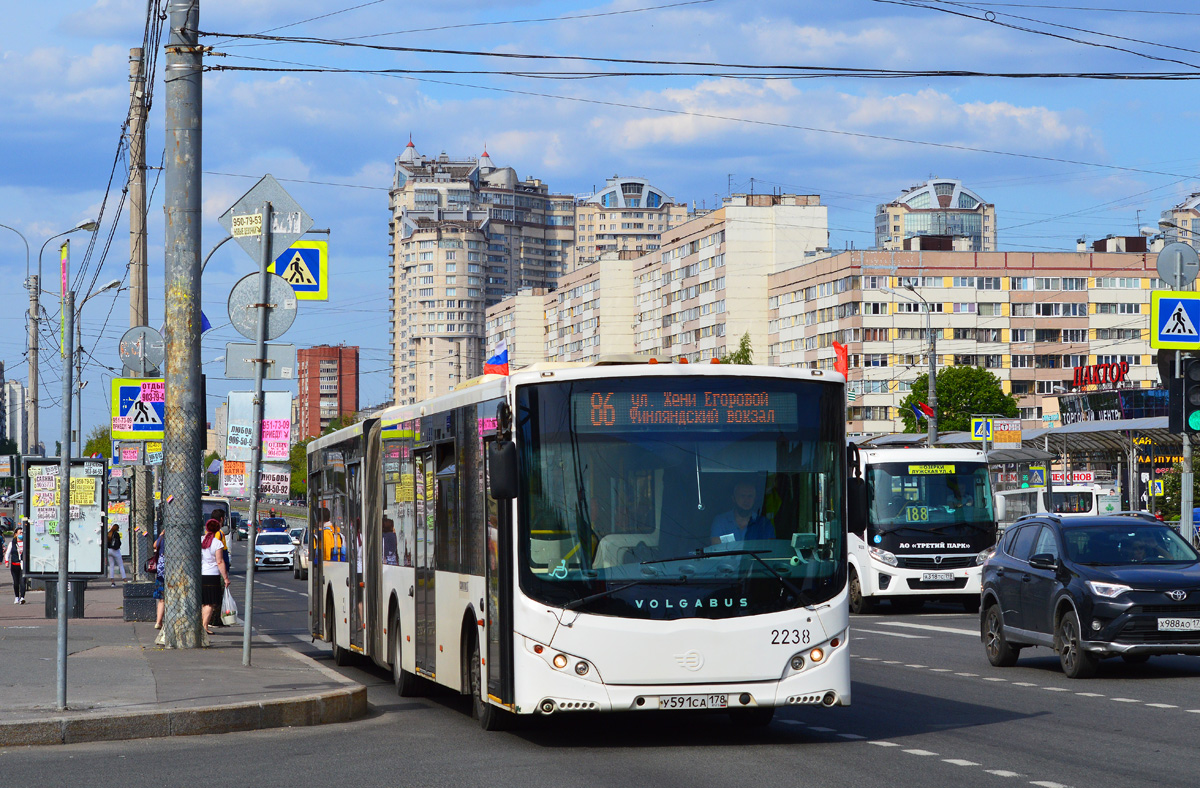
1076 663
1136 659
757 717
859 604
491 718
407 684
341 656
999 653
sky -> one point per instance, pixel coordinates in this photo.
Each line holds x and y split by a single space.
1061 159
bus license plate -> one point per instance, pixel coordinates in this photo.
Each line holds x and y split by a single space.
693 701
937 577
1178 624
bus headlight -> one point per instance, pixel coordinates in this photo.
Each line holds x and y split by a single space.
560 661
884 556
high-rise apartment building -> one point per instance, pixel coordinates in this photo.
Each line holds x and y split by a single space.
15 417
328 380
940 207
1182 222
464 234
628 216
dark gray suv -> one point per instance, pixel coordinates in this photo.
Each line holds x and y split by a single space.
1090 588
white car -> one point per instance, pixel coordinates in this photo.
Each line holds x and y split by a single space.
273 551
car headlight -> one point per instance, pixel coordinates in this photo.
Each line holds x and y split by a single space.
884 555
984 555
1107 590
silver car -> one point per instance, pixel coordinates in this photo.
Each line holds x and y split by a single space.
300 557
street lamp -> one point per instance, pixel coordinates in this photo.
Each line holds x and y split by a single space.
930 419
116 283
33 285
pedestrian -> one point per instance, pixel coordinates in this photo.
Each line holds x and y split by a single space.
12 559
114 555
160 579
212 573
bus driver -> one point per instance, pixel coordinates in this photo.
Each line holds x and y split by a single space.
741 522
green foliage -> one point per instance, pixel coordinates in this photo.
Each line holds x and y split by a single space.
298 459
1169 501
743 355
58 448
99 440
961 392
338 422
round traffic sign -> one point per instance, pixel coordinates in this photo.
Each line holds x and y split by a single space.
1177 257
244 300
142 349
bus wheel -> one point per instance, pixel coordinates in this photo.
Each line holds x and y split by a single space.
341 656
491 718
756 717
858 603
407 684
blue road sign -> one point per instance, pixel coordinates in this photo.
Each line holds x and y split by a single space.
1037 477
305 266
1175 318
981 429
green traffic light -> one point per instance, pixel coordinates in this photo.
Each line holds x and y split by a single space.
1024 485
1194 420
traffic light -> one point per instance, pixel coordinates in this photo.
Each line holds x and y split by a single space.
1191 396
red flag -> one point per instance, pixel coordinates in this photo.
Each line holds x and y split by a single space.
928 411
842 364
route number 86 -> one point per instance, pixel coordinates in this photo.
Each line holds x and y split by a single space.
603 413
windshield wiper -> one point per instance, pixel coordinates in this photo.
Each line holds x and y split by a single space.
755 554
575 604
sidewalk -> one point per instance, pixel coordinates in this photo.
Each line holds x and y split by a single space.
122 686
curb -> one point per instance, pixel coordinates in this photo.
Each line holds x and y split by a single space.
319 709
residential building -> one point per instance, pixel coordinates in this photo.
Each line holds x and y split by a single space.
328 381
1182 222
464 234
16 425
938 207
220 430
1029 318
627 216
592 313
519 320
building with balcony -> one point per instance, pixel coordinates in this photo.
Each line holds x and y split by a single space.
628 216
940 207
328 381
16 420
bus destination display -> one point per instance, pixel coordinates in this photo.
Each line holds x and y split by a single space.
600 411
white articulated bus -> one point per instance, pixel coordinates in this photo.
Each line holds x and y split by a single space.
925 529
592 537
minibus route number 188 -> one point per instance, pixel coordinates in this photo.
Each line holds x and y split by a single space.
594 538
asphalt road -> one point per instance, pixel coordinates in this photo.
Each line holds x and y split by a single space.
928 711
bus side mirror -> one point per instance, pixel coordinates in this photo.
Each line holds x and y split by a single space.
502 470
856 504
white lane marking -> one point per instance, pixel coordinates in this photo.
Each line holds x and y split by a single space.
1126 700
893 634
885 744
931 628
959 762
916 666
970 675
1193 711
920 752
1002 772
993 678
1090 694
851 736
1046 784
1161 706
791 722
822 730
1056 689
891 662
940 670
869 659
1024 684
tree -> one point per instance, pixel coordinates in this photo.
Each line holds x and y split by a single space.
99 441
298 459
743 355
58 448
961 393
1170 500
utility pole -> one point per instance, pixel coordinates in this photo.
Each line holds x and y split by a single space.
139 311
138 296
31 405
184 410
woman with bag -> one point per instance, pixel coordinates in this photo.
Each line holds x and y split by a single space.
12 559
212 572
157 565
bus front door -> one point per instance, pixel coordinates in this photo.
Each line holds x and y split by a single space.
499 651
354 553
425 649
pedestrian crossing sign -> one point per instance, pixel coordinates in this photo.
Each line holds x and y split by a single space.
981 429
1175 320
138 408
305 266
1037 477
1156 487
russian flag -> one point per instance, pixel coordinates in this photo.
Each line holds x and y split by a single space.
917 410
498 363
928 411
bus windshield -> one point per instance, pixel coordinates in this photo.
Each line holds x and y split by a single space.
671 497
951 500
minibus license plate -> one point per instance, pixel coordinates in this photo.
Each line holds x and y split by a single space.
937 577
1178 624
693 701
